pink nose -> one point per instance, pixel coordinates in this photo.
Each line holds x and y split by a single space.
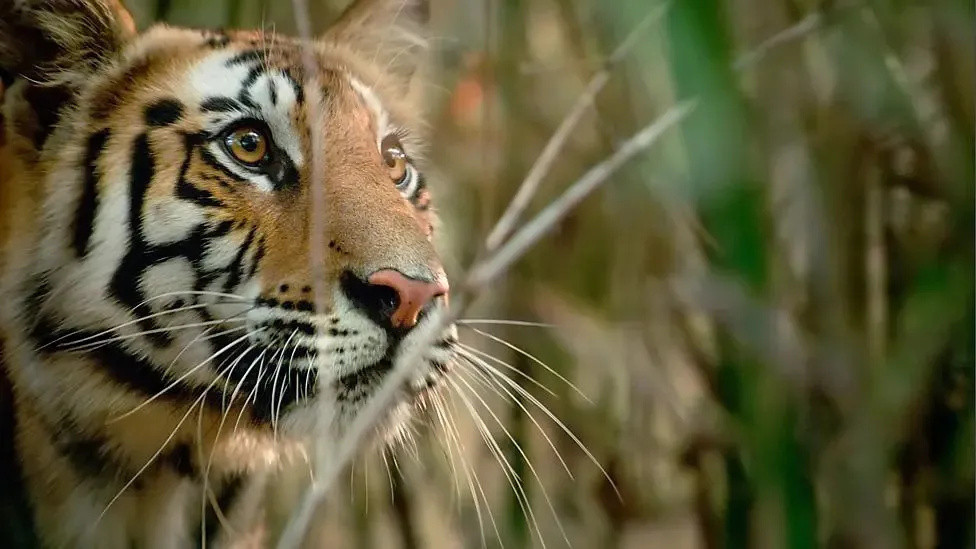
413 295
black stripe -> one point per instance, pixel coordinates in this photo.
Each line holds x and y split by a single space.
212 161
245 98
180 458
163 112
248 57
297 87
252 76
258 256
273 91
37 290
198 196
17 528
220 104
234 278
112 93
88 204
217 40
90 454
123 367
47 103
265 404
221 229
143 167
125 281
282 170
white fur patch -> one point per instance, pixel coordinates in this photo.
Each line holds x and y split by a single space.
212 77
172 220
374 104
220 252
172 276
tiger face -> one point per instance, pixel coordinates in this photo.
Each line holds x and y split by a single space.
220 223
278 207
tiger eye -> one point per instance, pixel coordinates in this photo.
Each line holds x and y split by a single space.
395 158
248 145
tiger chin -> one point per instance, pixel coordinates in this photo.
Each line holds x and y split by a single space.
209 241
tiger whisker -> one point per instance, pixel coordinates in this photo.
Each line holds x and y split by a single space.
240 384
469 350
101 343
521 451
199 401
437 412
447 421
477 479
152 458
481 377
533 359
491 371
291 363
389 474
514 480
202 336
123 325
466 321
562 426
308 372
186 292
227 295
189 372
254 390
207 492
276 418
366 488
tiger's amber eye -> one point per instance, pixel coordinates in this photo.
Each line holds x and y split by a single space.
248 145
395 158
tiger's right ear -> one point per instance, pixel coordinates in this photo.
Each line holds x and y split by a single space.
390 32
59 42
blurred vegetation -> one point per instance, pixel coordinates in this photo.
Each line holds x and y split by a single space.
771 311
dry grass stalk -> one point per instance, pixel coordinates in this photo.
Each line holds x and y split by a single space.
330 462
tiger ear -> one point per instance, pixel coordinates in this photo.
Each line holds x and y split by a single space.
390 32
61 41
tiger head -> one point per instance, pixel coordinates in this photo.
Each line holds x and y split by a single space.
235 219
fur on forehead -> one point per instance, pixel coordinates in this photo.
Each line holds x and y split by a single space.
370 76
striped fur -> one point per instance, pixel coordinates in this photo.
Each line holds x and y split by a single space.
162 321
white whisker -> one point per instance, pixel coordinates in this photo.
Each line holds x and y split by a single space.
452 430
101 343
562 426
120 326
510 474
467 350
533 359
528 462
531 417
199 401
189 372
465 321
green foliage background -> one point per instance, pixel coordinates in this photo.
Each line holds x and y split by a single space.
771 311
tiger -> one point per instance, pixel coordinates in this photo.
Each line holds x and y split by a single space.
210 240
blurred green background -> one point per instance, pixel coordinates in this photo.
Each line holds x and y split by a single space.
770 312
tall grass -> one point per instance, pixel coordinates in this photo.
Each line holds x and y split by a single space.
769 308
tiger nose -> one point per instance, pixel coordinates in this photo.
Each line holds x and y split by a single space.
412 294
